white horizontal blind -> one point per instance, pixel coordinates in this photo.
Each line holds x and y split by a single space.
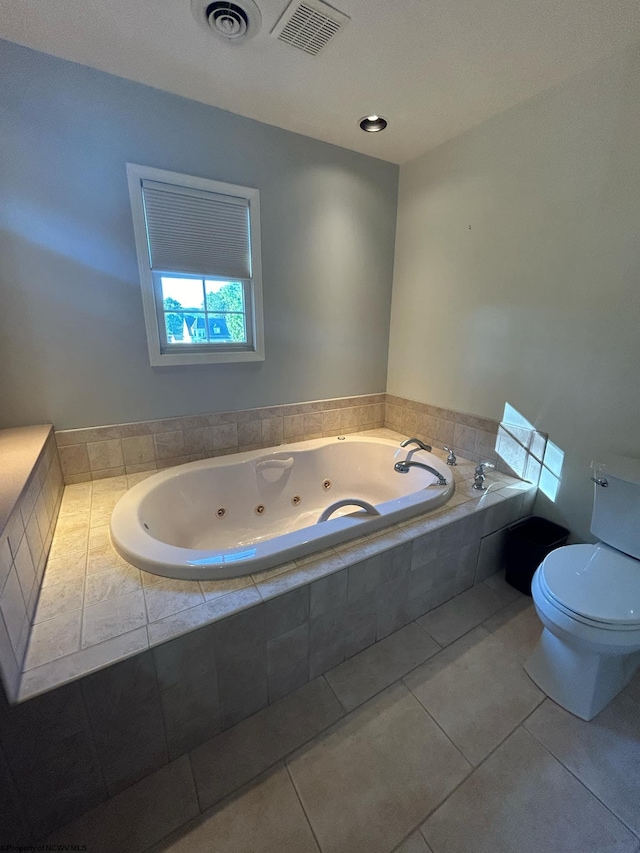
193 231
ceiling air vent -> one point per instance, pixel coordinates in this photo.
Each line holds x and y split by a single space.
234 22
309 25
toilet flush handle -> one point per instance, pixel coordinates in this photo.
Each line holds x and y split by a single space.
599 470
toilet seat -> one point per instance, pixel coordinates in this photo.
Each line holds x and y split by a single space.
594 584
555 610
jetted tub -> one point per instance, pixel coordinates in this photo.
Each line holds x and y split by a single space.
234 515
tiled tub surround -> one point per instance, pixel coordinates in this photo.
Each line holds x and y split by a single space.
513 448
30 494
204 656
110 451
95 608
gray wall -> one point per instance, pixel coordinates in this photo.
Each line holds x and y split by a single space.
517 273
71 323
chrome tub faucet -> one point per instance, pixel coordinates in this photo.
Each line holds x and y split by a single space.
403 468
417 441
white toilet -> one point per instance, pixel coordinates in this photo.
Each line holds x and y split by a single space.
588 599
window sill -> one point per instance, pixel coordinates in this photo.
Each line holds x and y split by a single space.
187 358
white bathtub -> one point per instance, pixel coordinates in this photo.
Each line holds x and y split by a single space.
234 515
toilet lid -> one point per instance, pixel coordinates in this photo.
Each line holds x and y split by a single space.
594 581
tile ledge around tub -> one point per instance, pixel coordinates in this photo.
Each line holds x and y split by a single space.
265 585
72 667
21 448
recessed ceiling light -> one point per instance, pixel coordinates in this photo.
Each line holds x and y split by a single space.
373 123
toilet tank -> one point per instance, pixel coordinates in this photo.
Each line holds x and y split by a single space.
616 508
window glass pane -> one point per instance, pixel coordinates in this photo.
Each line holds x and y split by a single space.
198 311
182 293
227 327
194 328
224 295
174 325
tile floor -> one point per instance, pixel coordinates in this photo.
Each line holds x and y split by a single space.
432 741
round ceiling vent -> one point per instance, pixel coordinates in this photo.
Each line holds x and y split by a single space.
234 22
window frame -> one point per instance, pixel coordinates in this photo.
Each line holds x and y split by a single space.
162 354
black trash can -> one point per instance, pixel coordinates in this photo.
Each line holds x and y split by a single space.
527 544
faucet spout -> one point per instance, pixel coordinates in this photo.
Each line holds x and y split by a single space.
404 466
417 441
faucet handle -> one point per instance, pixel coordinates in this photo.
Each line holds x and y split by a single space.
451 458
478 478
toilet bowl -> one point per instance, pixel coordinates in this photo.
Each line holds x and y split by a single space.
588 600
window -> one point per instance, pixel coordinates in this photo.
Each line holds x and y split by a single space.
198 246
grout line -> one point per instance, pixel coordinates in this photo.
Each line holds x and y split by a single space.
473 769
195 787
62 612
330 686
158 698
113 598
75 678
417 830
144 600
308 819
92 737
424 630
571 772
480 624
283 759
392 683
431 717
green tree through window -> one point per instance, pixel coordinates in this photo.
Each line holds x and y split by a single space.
174 321
229 298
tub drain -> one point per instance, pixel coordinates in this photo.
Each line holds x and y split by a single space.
260 509
221 512
295 500
326 485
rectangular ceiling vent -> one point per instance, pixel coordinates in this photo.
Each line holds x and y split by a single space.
309 25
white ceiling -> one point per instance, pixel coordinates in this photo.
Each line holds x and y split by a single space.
434 68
